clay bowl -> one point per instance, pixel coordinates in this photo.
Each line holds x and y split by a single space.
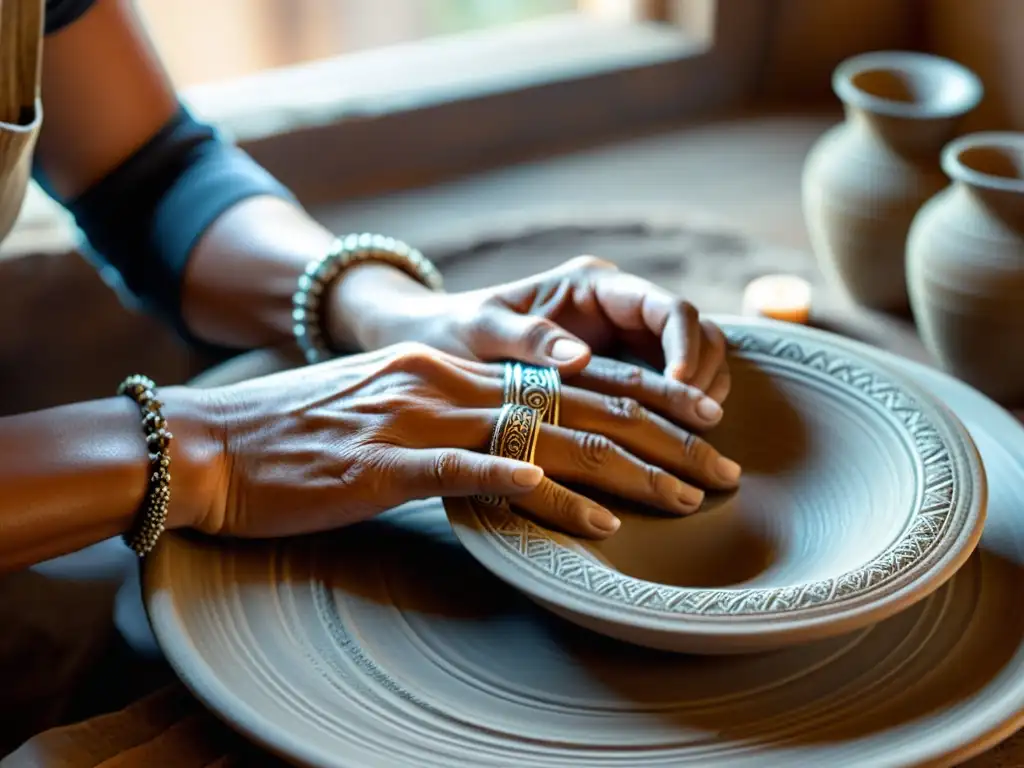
861 495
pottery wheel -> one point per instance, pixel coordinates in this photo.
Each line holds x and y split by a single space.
388 645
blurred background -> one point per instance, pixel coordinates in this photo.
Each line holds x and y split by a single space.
266 34
504 136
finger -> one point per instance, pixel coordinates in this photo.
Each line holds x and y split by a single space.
712 356
468 428
430 472
634 304
674 400
567 511
503 334
719 389
681 341
596 461
646 435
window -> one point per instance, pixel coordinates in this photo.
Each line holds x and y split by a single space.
349 96
267 34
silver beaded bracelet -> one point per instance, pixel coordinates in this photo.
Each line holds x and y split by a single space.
321 273
152 518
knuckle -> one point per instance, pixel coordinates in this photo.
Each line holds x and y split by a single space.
683 398
594 451
561 504
656 480
376 466
415 358
353 470
622 375
536 334
587 262
628 375
625 408
445 469
405 349
697 450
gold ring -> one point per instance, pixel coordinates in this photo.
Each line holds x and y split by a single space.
514 437
538 387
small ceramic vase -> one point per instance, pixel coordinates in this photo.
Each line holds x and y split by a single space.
866 178
965 266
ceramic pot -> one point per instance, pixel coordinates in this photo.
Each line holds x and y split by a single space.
965 266
865 179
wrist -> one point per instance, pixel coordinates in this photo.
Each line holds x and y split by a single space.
197 456
360 304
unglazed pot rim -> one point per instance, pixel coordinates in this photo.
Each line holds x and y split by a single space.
954 166
777 615
949 104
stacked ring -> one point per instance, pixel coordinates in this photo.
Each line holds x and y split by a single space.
514 437
534 386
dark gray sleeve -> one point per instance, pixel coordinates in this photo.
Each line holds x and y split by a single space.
143 219
60 13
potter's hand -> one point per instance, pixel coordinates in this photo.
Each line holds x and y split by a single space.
562 318
332 444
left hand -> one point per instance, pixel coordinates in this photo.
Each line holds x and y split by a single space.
562 318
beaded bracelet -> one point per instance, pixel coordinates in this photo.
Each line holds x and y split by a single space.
149 524
345 252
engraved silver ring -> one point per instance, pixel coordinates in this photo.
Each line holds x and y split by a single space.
514 437
538 387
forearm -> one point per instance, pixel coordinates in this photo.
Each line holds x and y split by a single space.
194 228
76 475
243 272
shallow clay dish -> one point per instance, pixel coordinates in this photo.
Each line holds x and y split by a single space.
861 494
388 645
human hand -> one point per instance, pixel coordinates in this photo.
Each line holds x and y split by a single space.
333 444
561 318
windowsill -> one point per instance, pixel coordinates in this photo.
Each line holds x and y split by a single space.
740 167
419 75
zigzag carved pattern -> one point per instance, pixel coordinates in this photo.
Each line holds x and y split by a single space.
926 530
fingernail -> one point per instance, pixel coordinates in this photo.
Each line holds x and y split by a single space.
567 350
603 520
681 497
690 498
728 471
708 409
528 476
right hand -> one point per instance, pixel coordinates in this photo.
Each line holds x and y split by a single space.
325 446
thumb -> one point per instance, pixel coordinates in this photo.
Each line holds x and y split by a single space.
532 339
456 472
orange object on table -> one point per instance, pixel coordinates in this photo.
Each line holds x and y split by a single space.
779 297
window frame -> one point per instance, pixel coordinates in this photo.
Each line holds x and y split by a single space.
348 126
